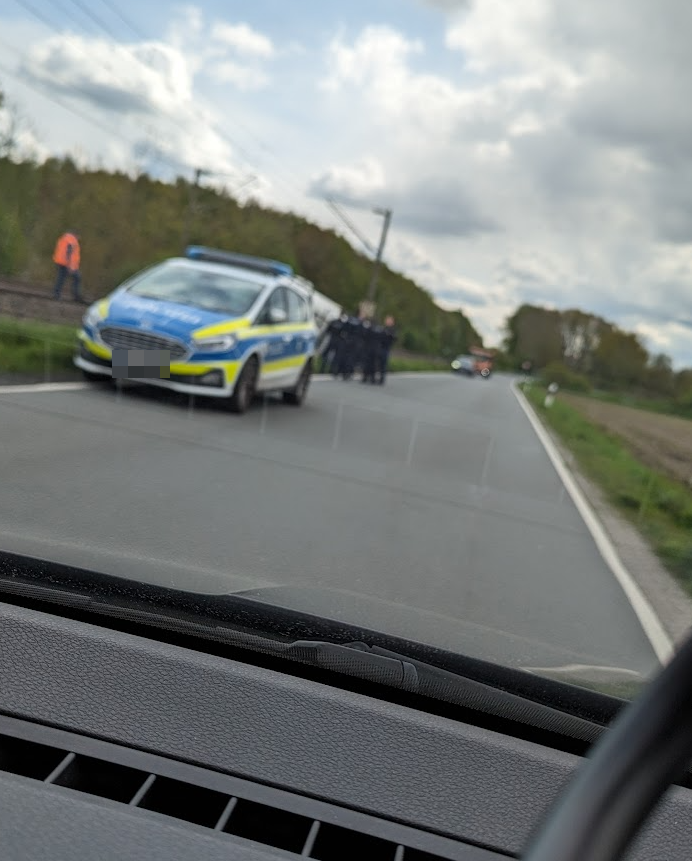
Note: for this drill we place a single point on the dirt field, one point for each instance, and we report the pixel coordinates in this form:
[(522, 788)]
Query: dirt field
[(662, 442)]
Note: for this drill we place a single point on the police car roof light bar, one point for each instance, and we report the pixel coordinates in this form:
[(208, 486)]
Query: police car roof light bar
[(244, 261)]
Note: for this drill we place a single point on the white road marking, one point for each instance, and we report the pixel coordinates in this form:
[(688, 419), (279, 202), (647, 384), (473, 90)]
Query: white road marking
[(42, 387), (263, 421), (337, 426), (653, 628), (486, 463), (412, 442)]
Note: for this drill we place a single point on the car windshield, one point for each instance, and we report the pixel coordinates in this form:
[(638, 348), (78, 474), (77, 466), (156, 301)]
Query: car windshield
[(379, 313), (220, 292)]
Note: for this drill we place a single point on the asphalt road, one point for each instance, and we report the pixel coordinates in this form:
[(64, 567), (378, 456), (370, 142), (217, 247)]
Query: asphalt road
[(432, 493)]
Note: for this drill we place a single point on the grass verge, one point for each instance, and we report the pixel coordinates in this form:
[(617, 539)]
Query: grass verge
[(412, 363), (658, 506), (31, 347)]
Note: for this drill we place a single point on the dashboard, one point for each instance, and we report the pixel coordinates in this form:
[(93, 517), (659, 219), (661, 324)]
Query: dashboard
[(114, 745)]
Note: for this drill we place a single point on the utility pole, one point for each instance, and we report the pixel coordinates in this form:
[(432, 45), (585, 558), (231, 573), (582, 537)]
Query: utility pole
[(387, 213), (191, 204)]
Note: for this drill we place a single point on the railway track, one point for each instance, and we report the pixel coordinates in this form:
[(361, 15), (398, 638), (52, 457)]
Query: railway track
[(22, 301)]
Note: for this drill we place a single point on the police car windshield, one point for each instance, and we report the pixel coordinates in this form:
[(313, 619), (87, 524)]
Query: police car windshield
[(200, 287)]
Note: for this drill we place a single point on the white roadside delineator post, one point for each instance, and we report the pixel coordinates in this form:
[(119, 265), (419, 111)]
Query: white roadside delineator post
[(550, 397)]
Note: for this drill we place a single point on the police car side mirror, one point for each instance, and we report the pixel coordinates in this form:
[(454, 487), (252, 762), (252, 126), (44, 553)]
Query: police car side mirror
[(277, 315)]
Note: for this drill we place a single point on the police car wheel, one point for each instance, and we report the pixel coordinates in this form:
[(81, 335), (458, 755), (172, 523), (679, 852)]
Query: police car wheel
[(297, 396), (244, 390)]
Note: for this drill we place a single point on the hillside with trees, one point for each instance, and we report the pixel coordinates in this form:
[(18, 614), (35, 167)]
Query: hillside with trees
[(128, 223)]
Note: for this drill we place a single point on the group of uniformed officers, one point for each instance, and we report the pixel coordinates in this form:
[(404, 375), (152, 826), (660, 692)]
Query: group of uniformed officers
[(358, 344)]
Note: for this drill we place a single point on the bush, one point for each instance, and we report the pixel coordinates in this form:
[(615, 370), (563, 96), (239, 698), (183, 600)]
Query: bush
[(677, 504), (12, 245), (556, 372), (677, 553)]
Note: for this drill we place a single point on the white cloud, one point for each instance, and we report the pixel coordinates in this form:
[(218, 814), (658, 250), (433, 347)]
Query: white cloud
[(352, 183), (242, 77), (378, 56), (243, 39), (153, 89), (129, 79), (187, 24)]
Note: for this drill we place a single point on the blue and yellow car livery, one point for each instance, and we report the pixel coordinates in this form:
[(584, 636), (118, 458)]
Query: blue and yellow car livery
[(215, 312)]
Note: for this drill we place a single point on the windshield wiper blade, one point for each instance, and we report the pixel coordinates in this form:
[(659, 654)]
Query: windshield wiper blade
[(373, 663), (242, 623)]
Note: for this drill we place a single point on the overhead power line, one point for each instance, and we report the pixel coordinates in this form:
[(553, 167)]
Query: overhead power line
[(93, 17), (81, 114), (284, 178), (126, 21), (36, 13), (347, 221)]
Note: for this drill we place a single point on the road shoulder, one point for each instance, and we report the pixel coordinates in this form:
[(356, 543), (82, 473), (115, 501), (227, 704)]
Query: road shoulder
[(669, 601)]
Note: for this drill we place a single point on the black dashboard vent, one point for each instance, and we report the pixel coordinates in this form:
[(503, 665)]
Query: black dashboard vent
[(28, 759), (225, 804), (341, 844), (278, 828), (96, 777)]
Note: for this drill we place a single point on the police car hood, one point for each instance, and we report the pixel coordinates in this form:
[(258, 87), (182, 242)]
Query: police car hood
[(169, 318)]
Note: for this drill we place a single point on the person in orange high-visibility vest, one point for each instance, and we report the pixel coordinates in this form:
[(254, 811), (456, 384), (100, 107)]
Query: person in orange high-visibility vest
[(67, 260)]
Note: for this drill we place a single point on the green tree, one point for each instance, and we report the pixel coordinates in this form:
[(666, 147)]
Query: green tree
[(620, 360), (534, 334), (581, 335), (659, 378)]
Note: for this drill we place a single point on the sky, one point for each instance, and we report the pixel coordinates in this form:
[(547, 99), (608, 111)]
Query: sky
[(530, 151)]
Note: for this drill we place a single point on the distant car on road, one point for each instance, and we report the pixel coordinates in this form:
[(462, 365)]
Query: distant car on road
[(479, 363), (232, 325), (464, 365)]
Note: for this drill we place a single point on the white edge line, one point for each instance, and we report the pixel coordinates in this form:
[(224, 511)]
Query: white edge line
[(654, 630), (42, 387)]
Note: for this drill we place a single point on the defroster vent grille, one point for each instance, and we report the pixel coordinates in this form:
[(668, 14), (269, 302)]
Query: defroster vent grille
[(225, 804)]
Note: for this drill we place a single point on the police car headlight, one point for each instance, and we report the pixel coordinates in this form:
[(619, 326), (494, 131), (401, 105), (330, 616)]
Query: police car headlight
[(456, 365), (215, 343), (92, 316)]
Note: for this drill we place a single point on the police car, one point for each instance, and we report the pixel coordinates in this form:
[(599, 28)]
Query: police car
[(233, 325)]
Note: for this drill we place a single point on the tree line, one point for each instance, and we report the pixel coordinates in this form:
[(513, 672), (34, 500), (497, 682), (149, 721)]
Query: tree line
[(579, 350), (128, 223)]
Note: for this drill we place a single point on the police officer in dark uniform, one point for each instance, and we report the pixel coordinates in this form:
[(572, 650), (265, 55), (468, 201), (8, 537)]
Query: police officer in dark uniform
[(386, 339), (347, 347), (371, 347), (331, 338), (337, 365)]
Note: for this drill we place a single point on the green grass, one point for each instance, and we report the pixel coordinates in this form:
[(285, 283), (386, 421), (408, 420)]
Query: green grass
[(32, 347), (660, 507), (414, 363)]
